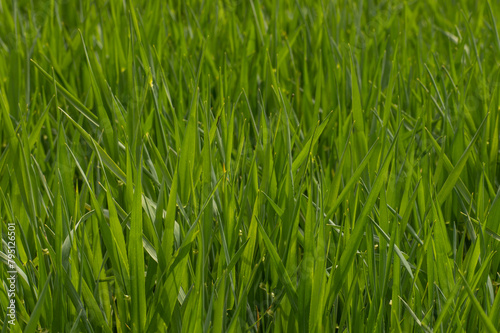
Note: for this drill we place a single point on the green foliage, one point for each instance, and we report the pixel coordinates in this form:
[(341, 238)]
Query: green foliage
[(257, 166)]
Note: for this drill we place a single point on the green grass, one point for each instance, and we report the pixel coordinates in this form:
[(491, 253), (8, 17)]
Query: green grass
[(262, 166)]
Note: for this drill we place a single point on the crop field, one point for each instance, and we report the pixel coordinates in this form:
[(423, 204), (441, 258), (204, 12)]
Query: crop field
[(249, 166)]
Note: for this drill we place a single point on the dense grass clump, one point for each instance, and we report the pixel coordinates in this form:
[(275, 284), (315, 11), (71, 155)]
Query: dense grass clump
[(263, 166)]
